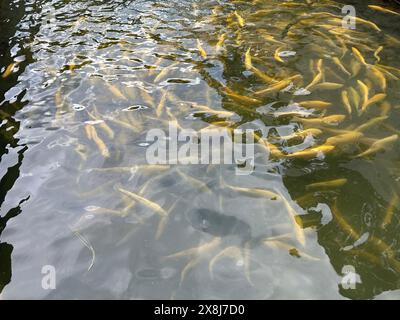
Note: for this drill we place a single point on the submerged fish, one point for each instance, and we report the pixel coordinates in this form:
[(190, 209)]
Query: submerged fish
[(378, 146), (327, 184)]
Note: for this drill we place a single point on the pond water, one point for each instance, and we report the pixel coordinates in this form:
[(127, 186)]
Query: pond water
[(83, 82)]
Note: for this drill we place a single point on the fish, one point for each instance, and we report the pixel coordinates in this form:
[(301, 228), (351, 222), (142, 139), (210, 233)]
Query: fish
[(247, 61), (326, 86), (378, 146), (316, 104), (328, 120), (368, 23), (198, 184), (342, 222), (357, 54), (277, 56), (331, 184), (146, 202), (375, 99), (317, 79), (381, 9), (161, 105), (371, 123), (9, 70), (232, 252), (164, 72), (220, 42), (104, 126), (376, 53), (387, 219), (311, 152), (278, 86), (354, 97), (201, 50), (255, 192), (364, 93), (346, 101), (92, 133), (339, 64), (302, 134), (235, 96), (240, 19), (344, 138), (378, 77), (115, 91)]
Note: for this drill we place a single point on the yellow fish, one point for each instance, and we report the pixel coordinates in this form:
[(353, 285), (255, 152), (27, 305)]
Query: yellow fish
[(381, 9), (375, 99), (390, 210), (344, 138), (326, 86), (328, 120), (201, 50), (235, 96), (371, 123), (247, 60), (240, 20), (346, 101), (357, 54), (278, 86), (311, 152), (315, 104), (220, 42), (378, 146), (9, 70), (327, 184), (146, 202)]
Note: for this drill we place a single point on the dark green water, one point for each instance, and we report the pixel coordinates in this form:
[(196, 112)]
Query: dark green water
[(80, 65)]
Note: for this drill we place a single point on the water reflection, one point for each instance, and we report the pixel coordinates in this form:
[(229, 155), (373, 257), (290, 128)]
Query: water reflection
[(95, 76)]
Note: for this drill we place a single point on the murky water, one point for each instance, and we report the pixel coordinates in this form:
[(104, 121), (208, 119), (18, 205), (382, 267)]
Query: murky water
[(84, 81)]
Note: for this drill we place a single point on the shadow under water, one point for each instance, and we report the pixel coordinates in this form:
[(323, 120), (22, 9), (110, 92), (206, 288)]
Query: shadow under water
[(84, 82)]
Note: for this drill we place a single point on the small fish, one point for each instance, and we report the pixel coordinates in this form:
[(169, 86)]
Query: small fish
[(326, 86), (341, 221), (311, 152), (390, 210), (378, 146), (357, 54), (161, 105), (100, 143), (378, 77), (277, 57), (235, 96), (375, 99), (278, 86), (364, 92), (247, 60), (381, 9), (328, 120), (368, 23), (317, 79), (371, 123), (220, 42), (346, 101), (340, 66), (255, 192), (146, 202), (315, 104), (376, 54), (354, 97), (240, 19), (164, 72), (331, 184), (201, 50), (9, 70), (344, 138)]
